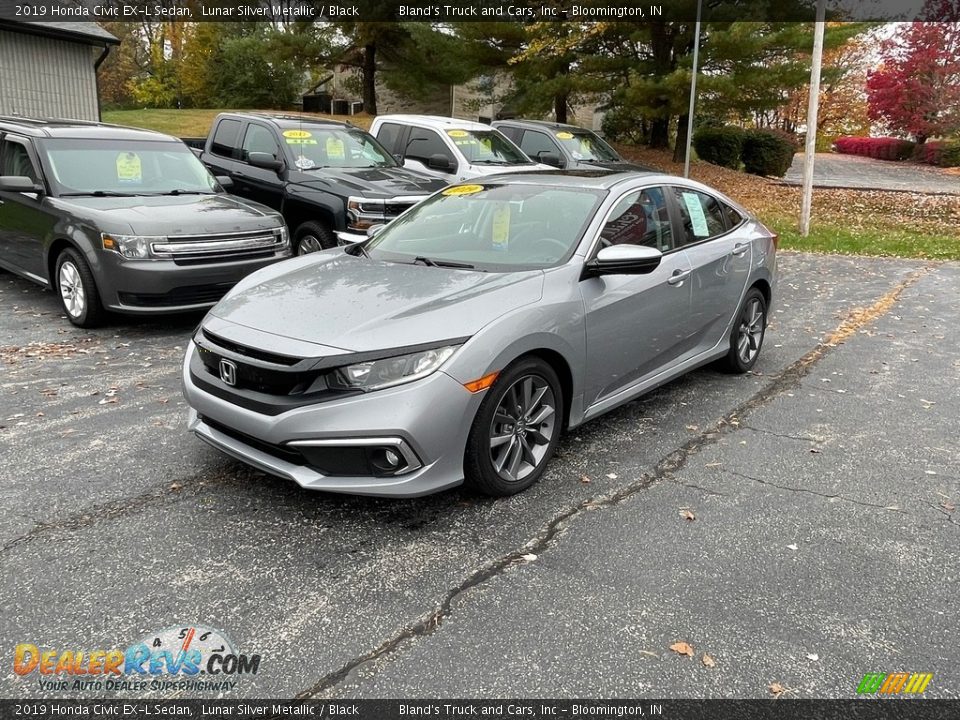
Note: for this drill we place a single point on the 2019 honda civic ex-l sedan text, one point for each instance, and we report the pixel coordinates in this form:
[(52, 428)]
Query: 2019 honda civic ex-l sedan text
[(460, 340)]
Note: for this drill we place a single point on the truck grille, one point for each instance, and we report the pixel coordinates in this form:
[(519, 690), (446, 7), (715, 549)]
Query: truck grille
[(199, 249)]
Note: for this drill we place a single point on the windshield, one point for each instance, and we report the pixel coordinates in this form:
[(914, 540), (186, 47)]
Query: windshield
[(495, 227), (124, 167), (321, 147), (487, 147), (586, 146)]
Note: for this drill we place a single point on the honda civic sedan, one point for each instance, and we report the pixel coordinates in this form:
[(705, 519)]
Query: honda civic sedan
[(459, 341)]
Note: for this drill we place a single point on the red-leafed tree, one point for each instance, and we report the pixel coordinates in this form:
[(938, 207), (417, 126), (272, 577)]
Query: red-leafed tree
[(915, 90)]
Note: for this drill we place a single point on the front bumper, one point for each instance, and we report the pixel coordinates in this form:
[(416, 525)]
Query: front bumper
[(429, 418), (163, 286)]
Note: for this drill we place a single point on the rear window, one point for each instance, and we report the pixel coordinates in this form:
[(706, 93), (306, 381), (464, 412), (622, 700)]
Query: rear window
[(389, 136), (225, 140)]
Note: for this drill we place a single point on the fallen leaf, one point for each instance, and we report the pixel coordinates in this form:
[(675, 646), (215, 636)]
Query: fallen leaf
[(529, 557), (793, 547), (692, 428), (175, 486), (948, 506), (688, 515), (584, 479), (107, 401), (682, 648), (813, 656), (708, 661), (815, 451), (776, 688), (612, 476)]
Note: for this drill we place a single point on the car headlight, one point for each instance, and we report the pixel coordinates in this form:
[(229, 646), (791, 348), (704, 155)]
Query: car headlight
[(284, 236), (378, 374), (364, 212), (130, 246)]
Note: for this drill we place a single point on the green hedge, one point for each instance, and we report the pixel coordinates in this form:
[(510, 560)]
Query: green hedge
[(719, 145), (767, 152)]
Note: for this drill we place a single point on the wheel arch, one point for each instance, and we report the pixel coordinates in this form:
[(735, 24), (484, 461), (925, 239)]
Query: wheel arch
[(561, 367)]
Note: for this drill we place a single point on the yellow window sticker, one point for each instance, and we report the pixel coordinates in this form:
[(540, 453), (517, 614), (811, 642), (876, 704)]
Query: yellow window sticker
[(500, 226), (458, 133), (463, 190), (297, 134), (129, 169), (565, 136), (301, 141), (335, 148)]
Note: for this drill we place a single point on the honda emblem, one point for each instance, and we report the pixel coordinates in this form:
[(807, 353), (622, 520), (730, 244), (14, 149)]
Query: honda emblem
[(228, 372)]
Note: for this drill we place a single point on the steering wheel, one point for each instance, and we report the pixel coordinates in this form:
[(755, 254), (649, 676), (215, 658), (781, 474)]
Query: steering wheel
[(550, 243)]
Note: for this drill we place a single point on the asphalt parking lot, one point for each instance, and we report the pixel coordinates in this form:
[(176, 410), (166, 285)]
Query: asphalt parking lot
[(823, 490)]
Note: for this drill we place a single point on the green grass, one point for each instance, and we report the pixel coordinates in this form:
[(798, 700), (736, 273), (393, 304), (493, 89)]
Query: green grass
[(882, 242), (186, 123)]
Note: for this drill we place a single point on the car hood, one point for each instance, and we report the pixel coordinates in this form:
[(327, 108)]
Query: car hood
[(368, 182), (616, 166), (360, 304), (484, 170), (173, 214)]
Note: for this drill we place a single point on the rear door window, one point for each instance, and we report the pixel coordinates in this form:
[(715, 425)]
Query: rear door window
[(226, 138), (701, 216)]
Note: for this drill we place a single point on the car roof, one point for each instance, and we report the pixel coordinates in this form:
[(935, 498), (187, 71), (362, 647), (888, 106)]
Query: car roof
[(593, 179), (287, 120), (437, 122), (79, 129), (541, 124)]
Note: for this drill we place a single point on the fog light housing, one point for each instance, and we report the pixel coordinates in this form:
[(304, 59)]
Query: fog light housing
[(359, 457)]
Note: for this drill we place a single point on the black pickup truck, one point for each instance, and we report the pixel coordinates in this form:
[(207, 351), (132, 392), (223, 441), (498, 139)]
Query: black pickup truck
[(327, 178)]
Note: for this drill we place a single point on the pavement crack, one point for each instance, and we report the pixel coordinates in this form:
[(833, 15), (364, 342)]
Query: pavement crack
[(807, 491), (665, 469), (784, 436)]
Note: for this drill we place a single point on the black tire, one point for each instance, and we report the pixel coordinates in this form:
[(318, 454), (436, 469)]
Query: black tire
[(523, 437), (72, 276), (311, 237), (750, 328)]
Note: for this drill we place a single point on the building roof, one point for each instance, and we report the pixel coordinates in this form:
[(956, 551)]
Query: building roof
[(77, 31)]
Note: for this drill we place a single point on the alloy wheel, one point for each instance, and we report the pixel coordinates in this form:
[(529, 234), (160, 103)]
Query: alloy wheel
[(750, 333), (308, 244), (71, 290), (523, 426)]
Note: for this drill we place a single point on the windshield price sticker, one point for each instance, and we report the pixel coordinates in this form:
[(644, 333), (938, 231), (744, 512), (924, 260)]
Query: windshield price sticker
[(565, 135), (297, 134), (458, 133), (462, 190), (335, 148), (501, 226), (129, 169), (300, 141)]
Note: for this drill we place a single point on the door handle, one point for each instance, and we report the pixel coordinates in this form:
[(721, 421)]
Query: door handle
[(740, 248), (678, 277)]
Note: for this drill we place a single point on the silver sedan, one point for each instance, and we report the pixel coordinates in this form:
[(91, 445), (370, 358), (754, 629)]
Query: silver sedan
[(459, 341)]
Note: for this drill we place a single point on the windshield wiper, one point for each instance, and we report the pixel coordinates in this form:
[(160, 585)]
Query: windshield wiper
[(178, 191), (420, 260), (492, 162), (99, 193)]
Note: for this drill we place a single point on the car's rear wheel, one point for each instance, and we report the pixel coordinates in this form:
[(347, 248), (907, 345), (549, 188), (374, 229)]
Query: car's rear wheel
[(516, 430), (77, 289), (746, 337), (313, 237)]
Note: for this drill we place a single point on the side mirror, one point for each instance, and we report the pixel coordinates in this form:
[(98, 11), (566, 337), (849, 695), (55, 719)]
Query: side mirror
[(265, 161), (226, 182), (439, 162), (548, 158), (374, 229), (623, 260), (19, 183)]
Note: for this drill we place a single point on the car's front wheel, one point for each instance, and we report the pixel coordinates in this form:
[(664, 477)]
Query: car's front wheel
[(77, 289), (746, 338), (313, 237), (516, 430)]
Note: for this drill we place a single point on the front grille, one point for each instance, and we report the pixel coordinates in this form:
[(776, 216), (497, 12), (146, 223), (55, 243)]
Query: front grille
[(278, 451), (260, 379), (393, 208), (192, 295), (199, 249), (249, 351)]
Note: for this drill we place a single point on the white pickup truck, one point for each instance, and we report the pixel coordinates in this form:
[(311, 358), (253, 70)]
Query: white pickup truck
[(451, 149)]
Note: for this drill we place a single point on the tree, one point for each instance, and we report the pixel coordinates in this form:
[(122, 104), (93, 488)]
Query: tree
[(915, 90)]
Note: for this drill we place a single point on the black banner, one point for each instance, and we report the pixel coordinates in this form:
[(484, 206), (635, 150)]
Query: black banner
[(454, 11), (780, 709)]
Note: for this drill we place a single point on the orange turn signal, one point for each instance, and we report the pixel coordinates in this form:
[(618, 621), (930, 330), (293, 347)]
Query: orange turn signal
[(483, 383)]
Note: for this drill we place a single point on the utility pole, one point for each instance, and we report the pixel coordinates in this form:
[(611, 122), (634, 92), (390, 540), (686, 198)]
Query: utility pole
[(812, 107), (693, 91)]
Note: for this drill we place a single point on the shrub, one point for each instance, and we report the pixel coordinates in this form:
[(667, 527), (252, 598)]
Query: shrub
[(885, 148), (767, 152), (719, 145), (944, 154), (620, 125)]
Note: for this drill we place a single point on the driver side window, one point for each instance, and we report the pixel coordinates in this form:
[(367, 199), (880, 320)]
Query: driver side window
[(16, 161), (639, 218), (259, 139)]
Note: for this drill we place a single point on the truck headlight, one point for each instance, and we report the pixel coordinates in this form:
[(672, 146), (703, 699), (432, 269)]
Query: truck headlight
[(364, 212), (379, 374), (135, 247)]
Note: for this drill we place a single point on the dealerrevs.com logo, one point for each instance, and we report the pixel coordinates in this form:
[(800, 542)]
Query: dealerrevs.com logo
[(193, 658)]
